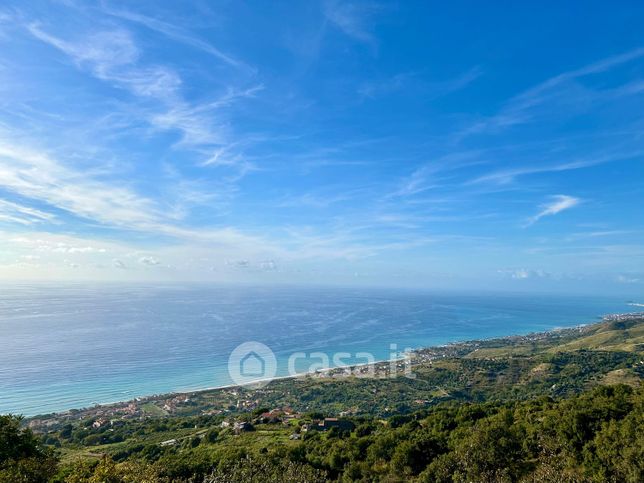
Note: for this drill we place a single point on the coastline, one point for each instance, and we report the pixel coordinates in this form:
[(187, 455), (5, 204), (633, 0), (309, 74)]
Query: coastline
[(140, 351), (135, 408), (255, 384)]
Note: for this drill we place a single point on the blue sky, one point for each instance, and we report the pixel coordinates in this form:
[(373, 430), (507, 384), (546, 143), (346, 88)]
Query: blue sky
[(421, 144)]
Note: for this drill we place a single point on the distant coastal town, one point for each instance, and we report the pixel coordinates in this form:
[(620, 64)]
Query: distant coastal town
[(625, 316)]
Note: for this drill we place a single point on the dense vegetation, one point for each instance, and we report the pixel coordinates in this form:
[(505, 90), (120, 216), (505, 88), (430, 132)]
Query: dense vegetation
[(566, 408), (22, 456), (597, 436)]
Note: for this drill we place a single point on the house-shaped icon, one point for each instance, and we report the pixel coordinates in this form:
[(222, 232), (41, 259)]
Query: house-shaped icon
[(252, 365)]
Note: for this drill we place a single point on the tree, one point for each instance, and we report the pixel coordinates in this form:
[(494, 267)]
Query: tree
[(491, 451), (22, 458)]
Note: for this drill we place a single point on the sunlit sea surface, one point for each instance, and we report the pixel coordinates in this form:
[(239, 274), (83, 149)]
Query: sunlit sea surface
[(74, 346)]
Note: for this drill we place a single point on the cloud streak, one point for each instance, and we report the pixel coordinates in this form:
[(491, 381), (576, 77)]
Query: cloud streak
[(23, 215), (518, 110), (558, 204), (353, 19), (507, 176), (37, 176), (175, 33), (114, 57)]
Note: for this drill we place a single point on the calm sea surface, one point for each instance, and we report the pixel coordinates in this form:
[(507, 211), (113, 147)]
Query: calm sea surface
[(74, 346)]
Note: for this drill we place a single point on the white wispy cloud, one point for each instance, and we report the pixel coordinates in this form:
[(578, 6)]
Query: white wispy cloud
[(411, 82), (40, 244), (149, 261), (524, 273), (103, 51), (558, 204), (223, 157), (374, 88), (196, 124), (507, 176), (600, 234), (252, 266), (627, 279), (114, 57), (427, 176), (519, 109), (37, 176), (24, 215), (174, 32), (353, 19), (417, 182)]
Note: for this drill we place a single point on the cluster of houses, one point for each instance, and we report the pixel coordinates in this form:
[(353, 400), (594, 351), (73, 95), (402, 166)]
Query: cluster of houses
[(172, 404), (102, 415), (286, 416), (624, 317), (238, 426), (229, 400), (329, 423)]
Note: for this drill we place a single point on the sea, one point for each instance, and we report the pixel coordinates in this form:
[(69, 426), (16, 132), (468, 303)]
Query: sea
[(75, 346)]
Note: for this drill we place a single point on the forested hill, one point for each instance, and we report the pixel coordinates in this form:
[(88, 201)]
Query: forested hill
[(560, 406)]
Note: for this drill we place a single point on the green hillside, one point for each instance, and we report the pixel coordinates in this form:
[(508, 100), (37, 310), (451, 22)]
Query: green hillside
[(560, 406)]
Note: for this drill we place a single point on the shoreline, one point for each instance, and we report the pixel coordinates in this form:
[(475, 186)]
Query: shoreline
[(256, 384), (441, 350)]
